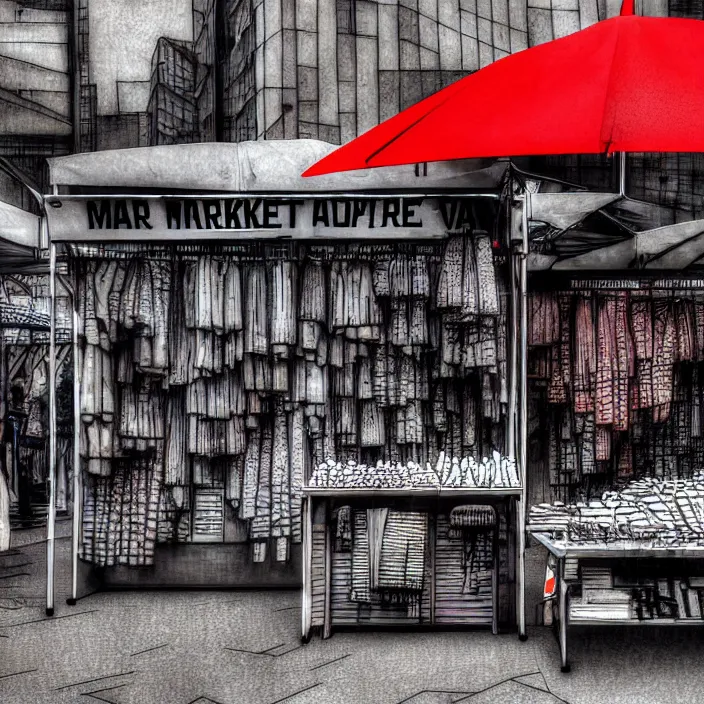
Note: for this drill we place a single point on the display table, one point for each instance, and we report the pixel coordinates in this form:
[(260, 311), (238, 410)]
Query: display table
[(617, 551), (322, 583)]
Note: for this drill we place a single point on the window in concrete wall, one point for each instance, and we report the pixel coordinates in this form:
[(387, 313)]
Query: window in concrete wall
[(686, 8)]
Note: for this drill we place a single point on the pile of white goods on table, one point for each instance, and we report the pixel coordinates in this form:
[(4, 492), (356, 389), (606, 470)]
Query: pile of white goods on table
[(490, 473), (659, 512)]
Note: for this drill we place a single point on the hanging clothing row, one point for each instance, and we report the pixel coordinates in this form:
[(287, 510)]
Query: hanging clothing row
[(621, 373), (241, 368)]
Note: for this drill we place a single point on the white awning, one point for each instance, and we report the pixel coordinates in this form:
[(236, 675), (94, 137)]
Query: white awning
[(18, 226), (272, 166)]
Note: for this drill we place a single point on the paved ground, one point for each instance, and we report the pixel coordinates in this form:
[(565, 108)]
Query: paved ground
[(242, 648)]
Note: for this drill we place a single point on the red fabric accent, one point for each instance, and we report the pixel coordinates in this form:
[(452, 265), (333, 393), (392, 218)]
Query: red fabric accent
[(627, 84), (549, 587)]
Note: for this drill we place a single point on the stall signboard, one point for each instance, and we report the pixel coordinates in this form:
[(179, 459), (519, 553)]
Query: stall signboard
[(162, 218)]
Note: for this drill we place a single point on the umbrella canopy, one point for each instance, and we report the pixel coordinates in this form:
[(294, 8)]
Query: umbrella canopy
[(627, 84)]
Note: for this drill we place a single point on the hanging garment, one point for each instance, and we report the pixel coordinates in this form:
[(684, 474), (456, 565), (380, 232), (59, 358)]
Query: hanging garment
[(624, 363), (360, 589), (588, 445), (471, 304), (585, 357), (543, 319), (699, 324), (136, 311), (282, 305), (141, 420), (158, 362), (86, 303), (114, 299), (371, 425), (261, 523), (686, 339), (233, 319), (98, 447), (603, 443), (104, 278), (312, 306), (376, 527), (451, 283), (380, 275), (250, 482), (299, 446), (97, 385), (470, 524), (488, 303), (402, 563), (256, 339), (605, 365), (280, 477), (120, 515), (643, 339), (181, 371), (343, 530), (665, 349)]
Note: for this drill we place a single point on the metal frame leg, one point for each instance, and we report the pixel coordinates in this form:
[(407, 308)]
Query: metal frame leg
[(520, 572), (563, 597), (51, 517), (307, 558), (77, 479)]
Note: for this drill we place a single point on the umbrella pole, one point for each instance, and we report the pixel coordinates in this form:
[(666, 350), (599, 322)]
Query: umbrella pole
[(513, 355), (622, 174), (51, 518), (523, 428)]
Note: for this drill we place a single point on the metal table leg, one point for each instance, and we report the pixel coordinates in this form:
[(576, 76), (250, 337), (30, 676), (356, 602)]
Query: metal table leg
[(327, 619), (563, 596), (495, 576), (521, 571), (307, 559)]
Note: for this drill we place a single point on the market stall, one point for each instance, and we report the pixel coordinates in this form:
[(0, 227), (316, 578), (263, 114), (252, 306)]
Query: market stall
[(615, 353), (238, 327), (24, 338)]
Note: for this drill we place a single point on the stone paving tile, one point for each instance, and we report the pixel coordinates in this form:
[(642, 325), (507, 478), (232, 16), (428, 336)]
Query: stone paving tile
[(242, 647), (634, 665)]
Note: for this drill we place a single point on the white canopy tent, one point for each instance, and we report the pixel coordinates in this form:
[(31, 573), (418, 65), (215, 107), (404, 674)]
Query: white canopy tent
[(20, 241)]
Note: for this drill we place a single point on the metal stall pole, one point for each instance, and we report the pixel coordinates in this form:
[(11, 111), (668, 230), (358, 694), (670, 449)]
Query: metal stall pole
[(523, 428), (77, 483), (513, 350), (51, 519)]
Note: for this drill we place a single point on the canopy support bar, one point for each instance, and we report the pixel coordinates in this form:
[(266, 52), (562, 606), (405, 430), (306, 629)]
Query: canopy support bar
[(51, 517), (77, 479), (622, 174)]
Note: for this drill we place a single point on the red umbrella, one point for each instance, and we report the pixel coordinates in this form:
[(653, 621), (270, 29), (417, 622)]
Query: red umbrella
[(627, 84)]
